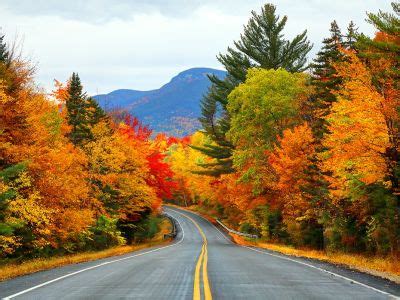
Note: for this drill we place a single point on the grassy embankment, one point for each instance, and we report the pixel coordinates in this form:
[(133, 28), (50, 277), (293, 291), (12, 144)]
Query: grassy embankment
[(386, 267), (14, 269)]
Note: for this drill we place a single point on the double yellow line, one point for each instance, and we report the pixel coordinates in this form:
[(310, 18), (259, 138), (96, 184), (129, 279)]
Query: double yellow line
[(201, 265)]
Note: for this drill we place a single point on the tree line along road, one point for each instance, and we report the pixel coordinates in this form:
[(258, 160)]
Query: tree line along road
[(202, 263)]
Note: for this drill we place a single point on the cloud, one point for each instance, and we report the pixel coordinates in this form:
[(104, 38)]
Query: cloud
[(100, 11), (142, 44)]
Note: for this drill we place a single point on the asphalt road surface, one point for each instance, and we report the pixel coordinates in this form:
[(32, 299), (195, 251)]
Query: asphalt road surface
[(202, 263)]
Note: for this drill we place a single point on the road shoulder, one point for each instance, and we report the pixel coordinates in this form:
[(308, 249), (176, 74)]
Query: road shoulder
[(13, 270)]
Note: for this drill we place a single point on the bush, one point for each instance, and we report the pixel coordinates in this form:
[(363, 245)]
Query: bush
[(246, 227), (304, 233), (105, 234), (146, 228)]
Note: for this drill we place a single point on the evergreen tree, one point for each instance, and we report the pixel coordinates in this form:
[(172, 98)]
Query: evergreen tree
[(8, 175), (95, 112), (351, 36), (75, 104), (324, 76), (3, 58), (83, 112), (324, 79), (263, 45), (387, 46), (4, 54)]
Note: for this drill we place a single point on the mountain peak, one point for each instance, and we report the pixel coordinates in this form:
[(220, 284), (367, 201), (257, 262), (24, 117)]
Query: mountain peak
[(200, 71), (196, 74), (174, 108)]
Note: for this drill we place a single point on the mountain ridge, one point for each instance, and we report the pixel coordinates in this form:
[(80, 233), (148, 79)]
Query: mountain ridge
[(173, 108)]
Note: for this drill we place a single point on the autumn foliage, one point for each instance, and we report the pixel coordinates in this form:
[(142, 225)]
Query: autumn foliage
[(69, 182), (309, 159), (316, 158)]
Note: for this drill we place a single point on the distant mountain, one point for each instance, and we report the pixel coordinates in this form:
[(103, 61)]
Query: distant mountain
[(174, 108)]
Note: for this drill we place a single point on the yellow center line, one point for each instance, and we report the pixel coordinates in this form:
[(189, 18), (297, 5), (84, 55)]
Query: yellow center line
[(207, 289), (196, 285), (201, 264)]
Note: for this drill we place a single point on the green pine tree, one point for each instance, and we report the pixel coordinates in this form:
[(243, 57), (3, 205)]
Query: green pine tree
[(389, 24), (4, 54), (351, 36), (78, 112), (262, 44), (324, 79), (95, 112), (3, 58), (8, 175), (83, 112)]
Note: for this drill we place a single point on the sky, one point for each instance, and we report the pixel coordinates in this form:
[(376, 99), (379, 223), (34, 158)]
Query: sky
[(139, 44)]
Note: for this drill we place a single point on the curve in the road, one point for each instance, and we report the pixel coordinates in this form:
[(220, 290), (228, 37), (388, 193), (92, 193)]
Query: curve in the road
[(202, 256), (352, 281)]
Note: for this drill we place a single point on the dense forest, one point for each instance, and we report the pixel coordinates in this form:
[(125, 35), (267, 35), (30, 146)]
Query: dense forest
[(300, 153), (71, 177)]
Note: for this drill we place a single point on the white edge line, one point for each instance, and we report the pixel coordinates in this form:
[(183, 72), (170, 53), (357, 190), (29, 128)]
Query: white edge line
[(94, 267), (301, 263), (323, 270)]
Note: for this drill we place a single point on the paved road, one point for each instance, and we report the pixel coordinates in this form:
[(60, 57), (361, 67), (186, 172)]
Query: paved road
[(201, 264)]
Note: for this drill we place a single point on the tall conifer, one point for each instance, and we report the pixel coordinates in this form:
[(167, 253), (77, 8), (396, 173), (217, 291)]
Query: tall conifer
[(324, 78), (262, 44), (77, 111), (3, 50), (326, 82)]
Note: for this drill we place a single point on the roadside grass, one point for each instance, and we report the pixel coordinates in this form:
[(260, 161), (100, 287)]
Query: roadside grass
[(15, 269), (385, 267)]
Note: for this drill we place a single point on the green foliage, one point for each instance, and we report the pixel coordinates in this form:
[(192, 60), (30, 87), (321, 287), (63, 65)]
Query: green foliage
[(261, 108), (262, 45), (267, 223), (77, 113), (7, 193), (4, 54), (12, 231), (381, 224), (385, 45), (12, 172), (95, 113), (105, 234), (326, 83), (351, 36), (246, 227), (146, 228), (324, 78), (82, 112), (312, 234), (6, 229)]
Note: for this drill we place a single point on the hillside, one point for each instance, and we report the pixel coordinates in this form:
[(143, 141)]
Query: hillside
[(173, 108)]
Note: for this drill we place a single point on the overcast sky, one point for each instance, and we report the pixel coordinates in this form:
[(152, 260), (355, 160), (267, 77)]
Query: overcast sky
[(140, 44)]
